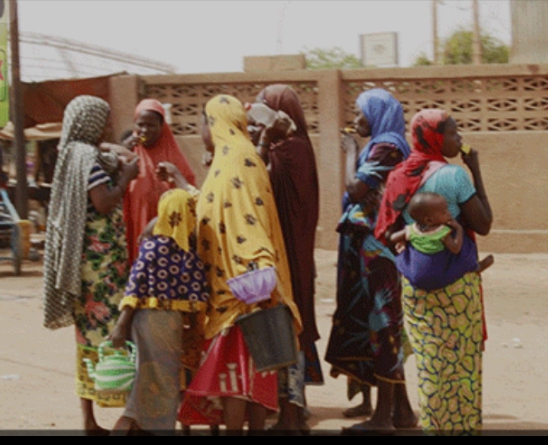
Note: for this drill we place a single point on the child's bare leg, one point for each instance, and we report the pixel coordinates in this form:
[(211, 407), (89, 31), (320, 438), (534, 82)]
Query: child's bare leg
[(90, 424), (487, 262)]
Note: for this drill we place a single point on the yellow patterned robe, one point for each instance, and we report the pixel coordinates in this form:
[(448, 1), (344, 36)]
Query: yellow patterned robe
[(237, 218)]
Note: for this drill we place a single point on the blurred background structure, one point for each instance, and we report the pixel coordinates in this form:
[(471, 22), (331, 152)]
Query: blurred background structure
[(529, 31), (46, 57)]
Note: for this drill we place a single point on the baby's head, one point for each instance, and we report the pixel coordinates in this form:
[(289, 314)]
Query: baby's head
[(429, 209)]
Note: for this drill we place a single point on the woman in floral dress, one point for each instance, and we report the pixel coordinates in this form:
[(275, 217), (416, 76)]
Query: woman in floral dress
[(86, 268)]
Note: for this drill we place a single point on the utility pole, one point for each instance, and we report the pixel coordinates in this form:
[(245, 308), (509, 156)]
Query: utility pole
[(477, 52), (17, 116), (435, 36)]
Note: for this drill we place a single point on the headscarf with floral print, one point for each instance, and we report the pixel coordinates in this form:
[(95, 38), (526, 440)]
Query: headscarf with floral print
[(177, 218), (238, 225)]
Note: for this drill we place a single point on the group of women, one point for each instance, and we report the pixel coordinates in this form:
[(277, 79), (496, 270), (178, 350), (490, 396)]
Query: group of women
[(257, 212)]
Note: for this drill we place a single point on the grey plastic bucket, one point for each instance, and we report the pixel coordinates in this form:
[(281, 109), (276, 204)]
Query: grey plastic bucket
[(270, 338)]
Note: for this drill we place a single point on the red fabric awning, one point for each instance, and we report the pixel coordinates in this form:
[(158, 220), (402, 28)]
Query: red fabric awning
[(45, 102)]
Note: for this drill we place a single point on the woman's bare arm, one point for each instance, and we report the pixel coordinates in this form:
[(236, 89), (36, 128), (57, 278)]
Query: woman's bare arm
[(355, 188), (477, 211), (106, 199)]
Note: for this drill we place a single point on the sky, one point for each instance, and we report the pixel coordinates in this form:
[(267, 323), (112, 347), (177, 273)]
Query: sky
[(209, 36)]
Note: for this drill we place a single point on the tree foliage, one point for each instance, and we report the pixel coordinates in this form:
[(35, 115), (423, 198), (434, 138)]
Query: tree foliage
[(331, 58), (458, 49)]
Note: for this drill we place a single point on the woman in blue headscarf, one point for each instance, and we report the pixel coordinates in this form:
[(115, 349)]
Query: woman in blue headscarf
[(366, 338)]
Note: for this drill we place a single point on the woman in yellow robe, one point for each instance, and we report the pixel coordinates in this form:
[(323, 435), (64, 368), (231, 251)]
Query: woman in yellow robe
[(238, 232)]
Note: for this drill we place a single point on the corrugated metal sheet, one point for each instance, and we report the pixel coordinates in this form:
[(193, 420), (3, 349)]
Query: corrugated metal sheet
[(529, 31)]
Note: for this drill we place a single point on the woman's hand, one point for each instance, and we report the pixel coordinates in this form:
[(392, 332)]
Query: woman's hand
[(471, 160), (120, 150), (132, 141), (122, 330), (120, 334), (129, 170), (279, 130), (168, 172), (348, 144)]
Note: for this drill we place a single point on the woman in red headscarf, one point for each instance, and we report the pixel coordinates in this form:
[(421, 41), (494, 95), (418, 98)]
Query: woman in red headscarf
[(444, 315), (153, 141)]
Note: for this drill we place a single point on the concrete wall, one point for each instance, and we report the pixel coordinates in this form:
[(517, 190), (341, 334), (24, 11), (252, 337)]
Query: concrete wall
[(510, 101)]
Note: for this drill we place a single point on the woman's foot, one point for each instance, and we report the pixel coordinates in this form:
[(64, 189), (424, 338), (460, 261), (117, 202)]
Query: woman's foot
[(407, 422), (96, 431), (124, 427), (403, 416), (363, 410), (369, 428)]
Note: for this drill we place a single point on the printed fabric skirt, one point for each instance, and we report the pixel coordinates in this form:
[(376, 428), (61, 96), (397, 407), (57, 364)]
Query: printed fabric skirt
[(446, 331), (104, 276), (366, 341), (227, 371)]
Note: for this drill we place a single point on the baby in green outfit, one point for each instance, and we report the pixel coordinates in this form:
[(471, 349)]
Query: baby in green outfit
[(434, 230)]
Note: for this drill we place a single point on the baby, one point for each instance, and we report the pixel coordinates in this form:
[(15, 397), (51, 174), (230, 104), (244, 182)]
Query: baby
[(434, 230)]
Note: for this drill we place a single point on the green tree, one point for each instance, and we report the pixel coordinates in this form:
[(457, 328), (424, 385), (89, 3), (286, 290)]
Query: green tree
[(423, 60), (458, 50), (332, 58)]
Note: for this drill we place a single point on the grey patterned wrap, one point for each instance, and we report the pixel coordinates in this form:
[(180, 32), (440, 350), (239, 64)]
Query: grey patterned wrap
[(84, 121)]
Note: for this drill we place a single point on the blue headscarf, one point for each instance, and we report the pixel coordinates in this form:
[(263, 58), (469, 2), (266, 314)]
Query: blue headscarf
[(386, 120), (385, 116)]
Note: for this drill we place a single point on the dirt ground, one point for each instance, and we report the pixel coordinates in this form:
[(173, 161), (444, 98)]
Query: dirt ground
[(36, 365)]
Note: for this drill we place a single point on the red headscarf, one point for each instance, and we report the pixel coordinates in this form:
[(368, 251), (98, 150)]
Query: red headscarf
[(408, 176), (144, 192)]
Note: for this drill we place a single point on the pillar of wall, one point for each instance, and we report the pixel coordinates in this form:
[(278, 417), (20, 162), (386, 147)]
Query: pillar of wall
[(329, 157), (124, 97)]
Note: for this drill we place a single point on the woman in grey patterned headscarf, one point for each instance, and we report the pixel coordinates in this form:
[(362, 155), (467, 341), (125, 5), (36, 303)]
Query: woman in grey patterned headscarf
[(85, 264)]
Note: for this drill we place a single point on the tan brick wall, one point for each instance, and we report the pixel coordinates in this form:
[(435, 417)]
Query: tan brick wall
[(502, 110)]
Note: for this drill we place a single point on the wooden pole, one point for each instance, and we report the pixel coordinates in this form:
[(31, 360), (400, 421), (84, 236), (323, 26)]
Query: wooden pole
[(435, 36), (17, 116), (477, 53)]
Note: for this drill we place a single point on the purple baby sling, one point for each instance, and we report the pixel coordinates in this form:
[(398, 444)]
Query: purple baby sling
[(436, 271)]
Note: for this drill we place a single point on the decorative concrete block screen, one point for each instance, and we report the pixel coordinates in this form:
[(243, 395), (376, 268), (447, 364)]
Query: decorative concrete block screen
[(499, 109), (188, 101), (480, 99)]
